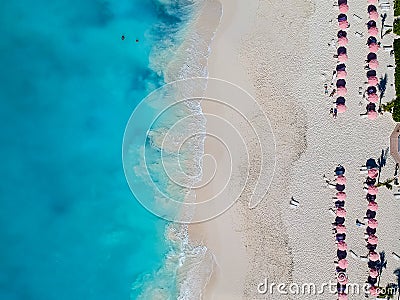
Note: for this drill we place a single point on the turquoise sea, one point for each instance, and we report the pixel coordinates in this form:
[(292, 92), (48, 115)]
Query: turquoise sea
[(69, 225)]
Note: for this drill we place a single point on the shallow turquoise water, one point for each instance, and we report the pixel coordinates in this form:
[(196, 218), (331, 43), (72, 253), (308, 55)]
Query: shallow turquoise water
[(69, 225)]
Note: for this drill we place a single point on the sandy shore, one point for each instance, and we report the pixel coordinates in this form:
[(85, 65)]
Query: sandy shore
[(280, 55)]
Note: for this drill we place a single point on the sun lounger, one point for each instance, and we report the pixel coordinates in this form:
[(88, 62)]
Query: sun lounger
[(357, 18), (294, 203), (332, 211), (385, 6), (364, 258), (359, 34), (396, 256), (387, 48), (354, 255), (363, 170)]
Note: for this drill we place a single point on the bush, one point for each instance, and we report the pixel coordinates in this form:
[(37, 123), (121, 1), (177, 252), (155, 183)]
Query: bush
[(397, 7), (396, 48), (395, 104), (396, 110), (396, 26)]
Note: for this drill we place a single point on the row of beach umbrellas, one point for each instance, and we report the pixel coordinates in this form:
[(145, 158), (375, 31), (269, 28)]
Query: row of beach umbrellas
[(341, 73), (340, 231), (371, 238), (372, 61)]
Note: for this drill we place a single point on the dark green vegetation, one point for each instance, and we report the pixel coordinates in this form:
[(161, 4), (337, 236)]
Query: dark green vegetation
[(394, 105), (397, 7)]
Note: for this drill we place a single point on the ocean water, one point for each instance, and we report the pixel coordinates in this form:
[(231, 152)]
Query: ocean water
[(69, 225)]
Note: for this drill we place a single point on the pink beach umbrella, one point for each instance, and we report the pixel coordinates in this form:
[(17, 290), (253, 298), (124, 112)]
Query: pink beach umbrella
[(373, 206), (341, 229), (373, 239), (373, 47), (341, 91), (343, 263), (373, 173), (372, 1), (343, 297), (341, 74), (373, 190), (373, 273), (372, 115), (373, 98), (341, 212), (373, 80), (341, 195), (342, 57), (373, 64), (373, 15), (373, 291), (341, 179), (372, 223), (342, 246), (373, 31), (342, 41), (373, 256), (341, 108), (343, 24), (343, 8)]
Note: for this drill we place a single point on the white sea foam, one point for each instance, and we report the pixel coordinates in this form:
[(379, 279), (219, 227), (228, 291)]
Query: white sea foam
[(183, 54)]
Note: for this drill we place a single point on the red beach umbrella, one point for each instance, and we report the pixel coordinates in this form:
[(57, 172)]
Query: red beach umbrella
[(373, 273), (343, 24), (373, 98), (373, 47), (341, 91), (373, 190), (343, 297), (373, 173), (341, 179), (373, 31), (372, 115), (373, 80), (373, 239), (341, 195), (341, 212), (372, 223), (373, 256), (342, 57), (342, 41), (343, 263), (373, 64), (373, 291), (373, 15), (341, 229), (341, 108), (343, 8), (341, 74), (373, 206), (342, 246)]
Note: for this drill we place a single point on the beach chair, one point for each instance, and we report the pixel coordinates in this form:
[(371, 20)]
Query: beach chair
[(294, 203), (364, 258), (363, 170), (359, 34), (396, 256), (357, 18), (388, 48), (354, 255)]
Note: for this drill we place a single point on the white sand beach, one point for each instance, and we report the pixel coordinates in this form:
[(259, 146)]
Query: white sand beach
[(279, 53)]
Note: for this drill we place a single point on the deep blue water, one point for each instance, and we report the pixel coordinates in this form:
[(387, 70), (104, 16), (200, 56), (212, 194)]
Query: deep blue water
[(69, 225)]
